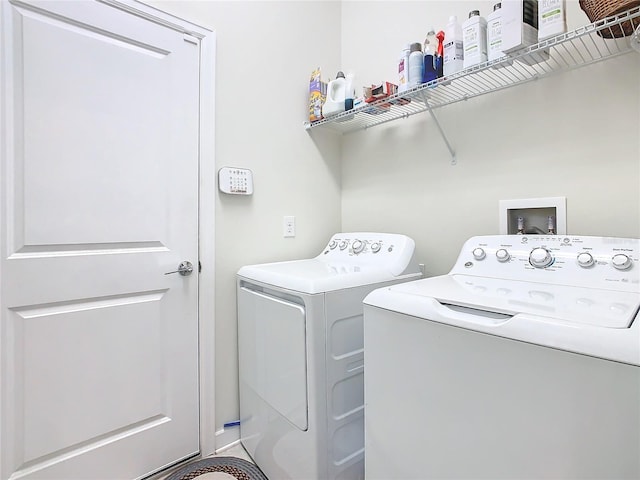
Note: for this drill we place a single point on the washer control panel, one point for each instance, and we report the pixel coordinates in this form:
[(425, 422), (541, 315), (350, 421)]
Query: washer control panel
[(598, 262), (386, 250)]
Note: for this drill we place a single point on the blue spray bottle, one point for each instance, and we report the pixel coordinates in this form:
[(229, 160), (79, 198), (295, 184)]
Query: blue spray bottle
[(430, 73)]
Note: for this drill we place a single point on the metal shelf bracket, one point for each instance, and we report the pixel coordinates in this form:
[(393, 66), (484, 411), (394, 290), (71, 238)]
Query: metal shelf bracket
[(442, 134)]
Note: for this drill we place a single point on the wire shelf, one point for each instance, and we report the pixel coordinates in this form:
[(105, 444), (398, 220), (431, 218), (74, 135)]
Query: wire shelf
[(564, 52)]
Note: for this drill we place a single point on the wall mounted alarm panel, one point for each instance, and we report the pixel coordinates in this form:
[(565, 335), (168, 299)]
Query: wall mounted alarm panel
[(235, 181)]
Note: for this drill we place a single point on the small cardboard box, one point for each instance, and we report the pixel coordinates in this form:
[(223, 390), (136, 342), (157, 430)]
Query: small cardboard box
[(317, 96)]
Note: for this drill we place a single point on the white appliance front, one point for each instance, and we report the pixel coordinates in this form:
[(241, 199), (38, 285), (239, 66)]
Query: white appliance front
[(301, 367), (522, 362)]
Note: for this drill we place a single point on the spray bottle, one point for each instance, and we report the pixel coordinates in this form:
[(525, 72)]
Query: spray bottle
[(440, 55), (430, 73)]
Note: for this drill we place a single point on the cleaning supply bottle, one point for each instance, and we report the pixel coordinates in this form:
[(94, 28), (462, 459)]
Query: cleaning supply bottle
[(474, 39), (430, 73), (416, 65), (403, 69), (453, 52), (440, 55), (552, 18), (494, 33), (349, 97), (336, 94)]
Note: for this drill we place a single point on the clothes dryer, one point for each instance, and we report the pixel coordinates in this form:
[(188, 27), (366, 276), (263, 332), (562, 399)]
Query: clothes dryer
[(522, 362), (301, 358)]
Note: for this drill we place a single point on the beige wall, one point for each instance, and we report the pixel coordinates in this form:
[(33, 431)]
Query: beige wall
[(574, 135), (265, 54)]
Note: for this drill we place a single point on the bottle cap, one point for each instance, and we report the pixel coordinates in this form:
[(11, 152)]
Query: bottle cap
[(474, 13), (416, 47), (497, 6), (453, 19), (340, 75)]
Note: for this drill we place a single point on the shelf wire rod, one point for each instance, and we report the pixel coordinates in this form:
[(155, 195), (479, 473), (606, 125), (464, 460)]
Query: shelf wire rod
[(490, 78), (561, 51), (509, 74), (519, 72), (505, 74), (580, 41), (446, 94), (449, 91), (468, 87), (542, 68), (485, 80), (516, 73), (457, 91), (555, 65), (590, 54), (462, 87), (497, 76)]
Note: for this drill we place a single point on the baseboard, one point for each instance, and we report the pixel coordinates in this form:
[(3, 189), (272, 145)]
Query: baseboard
[(227, 438)]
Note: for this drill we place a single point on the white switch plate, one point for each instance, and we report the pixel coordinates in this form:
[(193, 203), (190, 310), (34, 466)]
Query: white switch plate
[(289, 226), (235, 181)]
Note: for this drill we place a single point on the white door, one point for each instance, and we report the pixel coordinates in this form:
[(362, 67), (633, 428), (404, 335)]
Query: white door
[(99, 198)]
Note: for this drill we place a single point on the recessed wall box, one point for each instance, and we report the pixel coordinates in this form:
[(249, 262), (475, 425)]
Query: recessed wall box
[(536, 213)]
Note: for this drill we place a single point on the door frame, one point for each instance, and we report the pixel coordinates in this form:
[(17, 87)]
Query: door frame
[(206, 198)]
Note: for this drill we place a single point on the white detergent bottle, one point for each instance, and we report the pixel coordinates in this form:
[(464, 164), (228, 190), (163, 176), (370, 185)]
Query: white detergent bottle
[(416, 65), (494, 33), (336, 94), (474, 39), (403, 69), (453, 52), (552, 18)]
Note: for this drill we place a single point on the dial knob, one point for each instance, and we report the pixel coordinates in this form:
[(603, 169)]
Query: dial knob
[(333, 244), (343, 244), (358, 246), (502, 255), (375, 247), (585, 259), (620, 261), (478, 253), (540, 257)]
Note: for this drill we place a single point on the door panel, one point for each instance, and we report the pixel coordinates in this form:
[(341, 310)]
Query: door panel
[(98, 348), (273, 361)]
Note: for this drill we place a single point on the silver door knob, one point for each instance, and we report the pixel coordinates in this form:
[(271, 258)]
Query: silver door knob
[(185, 268)]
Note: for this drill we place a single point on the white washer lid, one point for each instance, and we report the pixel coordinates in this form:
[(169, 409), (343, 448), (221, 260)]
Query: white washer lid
[(315, 276), (550, 316), (579, 305)]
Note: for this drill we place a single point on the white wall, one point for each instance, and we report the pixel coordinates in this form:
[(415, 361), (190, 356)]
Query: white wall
[(574, 135), (265, 54)]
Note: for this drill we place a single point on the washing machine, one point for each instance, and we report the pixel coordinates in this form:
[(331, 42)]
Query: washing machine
[(301, 362), (522, 363)]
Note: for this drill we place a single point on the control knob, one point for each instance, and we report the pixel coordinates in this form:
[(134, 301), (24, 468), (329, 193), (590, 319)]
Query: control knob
[(585, 259), (478, 253), (375, 247), (540, 257), (333, 244), (502, 255), (343, 244), (358, 246), (620, 261)]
